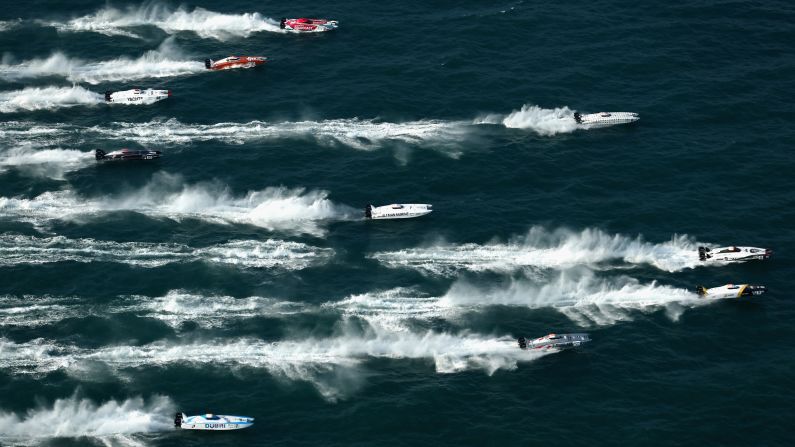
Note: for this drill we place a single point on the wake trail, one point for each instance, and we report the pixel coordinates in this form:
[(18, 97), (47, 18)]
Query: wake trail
[(75, 417), (311, 359), (204, 23), (276, 208), (47, 98), (53, 163), (269, 254), (164, 62), (174, 308), (544, 249)]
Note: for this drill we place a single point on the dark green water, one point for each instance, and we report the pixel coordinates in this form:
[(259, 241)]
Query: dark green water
[(236, 274)]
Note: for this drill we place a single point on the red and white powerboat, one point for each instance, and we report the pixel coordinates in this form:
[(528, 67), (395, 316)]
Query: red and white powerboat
[(304, 25), (235, 62)]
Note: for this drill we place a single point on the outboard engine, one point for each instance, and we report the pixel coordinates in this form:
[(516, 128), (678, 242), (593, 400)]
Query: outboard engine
[(702, 253), (281, 23), (368, 212), (99, 154), (107, 95), (208, 63), (578, 117), (522, 343), (178, 420)]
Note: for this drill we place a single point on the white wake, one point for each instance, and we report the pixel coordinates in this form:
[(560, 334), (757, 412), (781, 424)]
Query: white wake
[(74, 417), (47, 98), (309, 359), (164, 62), (53, 163), (544, 249), (276, 208), (206, 24)]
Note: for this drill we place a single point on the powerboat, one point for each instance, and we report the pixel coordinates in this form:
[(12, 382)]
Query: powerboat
[(212, 422), (733, 254), (136, 96), (555, 341), (605, 119), (304, 25), (235, 62), (127, 154), (731, 291), (397, 211)]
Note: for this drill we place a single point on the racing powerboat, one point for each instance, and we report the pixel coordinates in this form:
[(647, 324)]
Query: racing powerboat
[(731, 291), (235, 62), (733, 254), (304, 25), (127, 154), (212, 422), (136, 96), (555, 341), (605, 119), (397, 211)]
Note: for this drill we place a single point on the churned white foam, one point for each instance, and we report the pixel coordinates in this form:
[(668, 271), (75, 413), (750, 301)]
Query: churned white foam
[(582, 297), (7, 25), (391, 308), (47, 98), (310, 359), (53, 163), (545, 122), (179, 306), (166, 61), (175, 308), (292, 210), (204, 23), (34, 311), (544, 249), (78, 417), (272, 253), (354, 133)]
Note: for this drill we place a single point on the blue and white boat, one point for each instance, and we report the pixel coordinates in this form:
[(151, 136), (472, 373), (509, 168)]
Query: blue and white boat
[(211, 421)]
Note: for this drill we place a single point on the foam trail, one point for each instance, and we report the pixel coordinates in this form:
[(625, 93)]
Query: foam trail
[(175, 308), (75, 417), (271, 253), (545, 122), (164, 62), (446, 137), (277, 208), (7, 25), (306, 359), (206, 24), (53, 163), (582, 297), (544, 249), (179, 306), (391, 308), (47, 98)]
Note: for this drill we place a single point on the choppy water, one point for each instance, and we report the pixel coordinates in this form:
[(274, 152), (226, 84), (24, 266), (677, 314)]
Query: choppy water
[(236, 274)]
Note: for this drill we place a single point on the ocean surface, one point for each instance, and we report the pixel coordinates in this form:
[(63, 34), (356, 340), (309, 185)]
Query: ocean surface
[(236, 275)]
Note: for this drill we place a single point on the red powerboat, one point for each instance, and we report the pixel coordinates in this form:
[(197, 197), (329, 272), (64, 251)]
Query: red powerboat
[(304, 25), (235, 62)]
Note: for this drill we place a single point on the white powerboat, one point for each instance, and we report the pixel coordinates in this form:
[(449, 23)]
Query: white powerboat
[(212, 422), (397, 211), (136, 96), (731, 291), (733, 254), (605, 119), (554, 341)]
